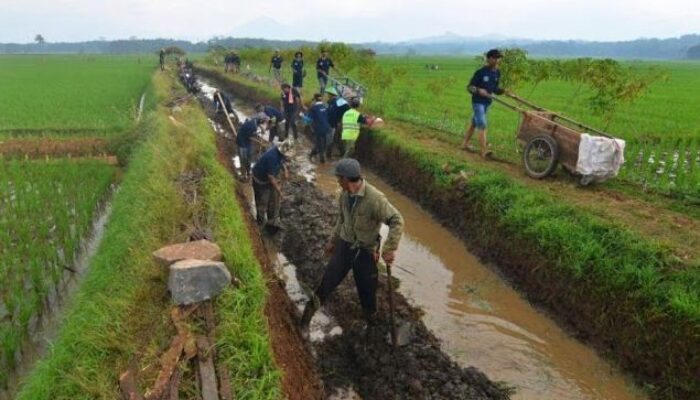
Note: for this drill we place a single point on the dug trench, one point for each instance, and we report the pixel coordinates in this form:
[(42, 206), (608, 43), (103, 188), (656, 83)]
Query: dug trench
[(353, 364), (657, 354)]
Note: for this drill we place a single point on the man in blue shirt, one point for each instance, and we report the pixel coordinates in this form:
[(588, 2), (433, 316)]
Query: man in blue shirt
[(323, 68), (244, 140), (276, 64), (484, 83), (220, 107), (276, 118), (336, 108), (319, 117), (267, 188), (298, 72)]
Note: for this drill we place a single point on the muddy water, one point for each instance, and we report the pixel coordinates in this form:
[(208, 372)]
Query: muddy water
[(484, 323), (481, 321)]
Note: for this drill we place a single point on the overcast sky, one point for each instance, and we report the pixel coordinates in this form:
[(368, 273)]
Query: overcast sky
[(350, 21)]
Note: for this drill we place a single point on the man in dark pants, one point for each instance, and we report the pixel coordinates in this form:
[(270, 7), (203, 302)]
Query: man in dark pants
[(290, 102), (220, 107), (298, 70), (323, 69), (319, 115), (267, 188), (337, 106), (162, 59), (244, 141), (276, 64), (354, 244)]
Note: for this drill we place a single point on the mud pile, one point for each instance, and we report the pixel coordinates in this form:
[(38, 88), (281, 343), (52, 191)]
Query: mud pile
[(419, 370)]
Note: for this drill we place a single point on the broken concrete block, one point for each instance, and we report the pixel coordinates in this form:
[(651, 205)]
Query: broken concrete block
[(192, 281), (198, 250)]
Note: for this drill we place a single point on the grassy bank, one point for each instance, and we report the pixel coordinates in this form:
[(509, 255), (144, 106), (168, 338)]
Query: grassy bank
[(622, 290), (120, 314)]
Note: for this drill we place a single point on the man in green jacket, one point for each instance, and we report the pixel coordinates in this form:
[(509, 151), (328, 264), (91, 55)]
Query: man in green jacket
[(355, 241)]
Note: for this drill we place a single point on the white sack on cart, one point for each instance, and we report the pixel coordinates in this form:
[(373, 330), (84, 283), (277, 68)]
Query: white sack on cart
[(599, 158)]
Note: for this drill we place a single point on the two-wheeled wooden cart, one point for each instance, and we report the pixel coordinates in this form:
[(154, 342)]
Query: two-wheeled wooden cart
[(547, 138)]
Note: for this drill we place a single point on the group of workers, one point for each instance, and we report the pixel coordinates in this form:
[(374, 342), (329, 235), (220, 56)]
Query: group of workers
[(324, 64), (356, 242)]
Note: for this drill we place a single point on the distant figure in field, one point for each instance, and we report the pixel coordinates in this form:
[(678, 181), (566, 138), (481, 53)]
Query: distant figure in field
[(236, 62), (323, 68), (228, 62), (298, 72), (276, 65), (484, 84), (162, 59)]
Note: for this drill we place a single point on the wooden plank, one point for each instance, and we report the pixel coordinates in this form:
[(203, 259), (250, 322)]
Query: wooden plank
[(207, 372), (174, 388), (169, 362), (127, 386)]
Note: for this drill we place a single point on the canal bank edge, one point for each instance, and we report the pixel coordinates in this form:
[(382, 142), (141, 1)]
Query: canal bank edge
[(618, 290), (120, 315)]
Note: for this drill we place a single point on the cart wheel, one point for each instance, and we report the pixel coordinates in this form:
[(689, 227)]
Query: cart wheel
[(540, 156)]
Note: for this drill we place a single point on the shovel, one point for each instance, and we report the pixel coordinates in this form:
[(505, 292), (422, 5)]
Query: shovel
[(400, 333)]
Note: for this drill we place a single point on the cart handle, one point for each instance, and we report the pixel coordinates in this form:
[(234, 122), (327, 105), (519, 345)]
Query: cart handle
[(555, 115)]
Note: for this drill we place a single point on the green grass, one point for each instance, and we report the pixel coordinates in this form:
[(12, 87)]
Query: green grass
[(71, 94), (122, 310), (46, 212), (662, 122)]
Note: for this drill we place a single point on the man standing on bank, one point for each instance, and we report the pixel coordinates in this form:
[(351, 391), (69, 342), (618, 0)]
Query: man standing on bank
[(323, 69), (276, 65), (484, 83), (355, 241), (298, 71)]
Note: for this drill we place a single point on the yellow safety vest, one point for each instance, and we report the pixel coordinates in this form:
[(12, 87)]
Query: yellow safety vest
[(351, 128)]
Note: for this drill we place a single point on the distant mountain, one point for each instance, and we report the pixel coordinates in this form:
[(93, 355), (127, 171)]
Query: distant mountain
[(446, 44), (452, 44), (451, 37)]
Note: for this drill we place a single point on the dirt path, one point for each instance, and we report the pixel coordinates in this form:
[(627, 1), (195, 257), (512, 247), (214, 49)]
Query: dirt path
[(655, 219)]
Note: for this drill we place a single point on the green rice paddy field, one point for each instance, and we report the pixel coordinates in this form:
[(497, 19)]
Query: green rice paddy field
[(662, 127), (58, 95)]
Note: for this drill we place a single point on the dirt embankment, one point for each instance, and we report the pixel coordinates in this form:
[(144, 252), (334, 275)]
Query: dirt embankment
[(46, 147), (419, 370)]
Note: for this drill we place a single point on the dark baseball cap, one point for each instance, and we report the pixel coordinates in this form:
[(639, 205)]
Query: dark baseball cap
[(494, 53)]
